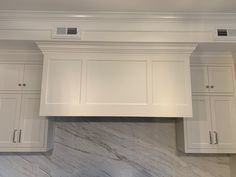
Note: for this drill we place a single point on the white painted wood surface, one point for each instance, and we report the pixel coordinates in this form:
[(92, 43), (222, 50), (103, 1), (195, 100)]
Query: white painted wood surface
[(33, 127), (11, 75), (9, 118), (22, 130), (223, 122), (96, 79), (213, 79), (222, 79), (212, 128), (198, 128), (32, 77)]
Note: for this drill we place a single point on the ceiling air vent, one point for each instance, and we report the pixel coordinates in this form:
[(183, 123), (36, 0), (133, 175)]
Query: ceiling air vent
[(222, 32), (66, 33), (226, 34)]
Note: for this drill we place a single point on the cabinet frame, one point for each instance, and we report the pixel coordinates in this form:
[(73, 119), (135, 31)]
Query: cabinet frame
[(47, 143), (182, 125)]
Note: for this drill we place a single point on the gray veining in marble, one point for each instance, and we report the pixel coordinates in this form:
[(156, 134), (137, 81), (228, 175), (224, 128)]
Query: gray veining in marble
[(105, 147)]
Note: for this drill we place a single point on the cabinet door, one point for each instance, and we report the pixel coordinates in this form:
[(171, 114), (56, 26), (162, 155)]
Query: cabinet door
[(9, 119), (199, 79), (11, 75), (224, 121), (221, 79), (198, 128), (32, 77), (32, 126)]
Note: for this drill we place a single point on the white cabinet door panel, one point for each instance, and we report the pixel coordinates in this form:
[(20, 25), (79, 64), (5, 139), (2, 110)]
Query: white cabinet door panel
[(32, 77), (199, 127), (63, 80), (32, 126), (224, 121), (10, 76), (116, 82), (9, 118), (199, 79), (222, 79), (171, 85)]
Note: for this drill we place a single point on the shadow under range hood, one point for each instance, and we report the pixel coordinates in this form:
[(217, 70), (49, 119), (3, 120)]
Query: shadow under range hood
[(116, 79)]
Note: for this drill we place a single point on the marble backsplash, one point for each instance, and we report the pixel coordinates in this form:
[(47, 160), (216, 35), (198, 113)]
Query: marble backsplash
[(113, 147)]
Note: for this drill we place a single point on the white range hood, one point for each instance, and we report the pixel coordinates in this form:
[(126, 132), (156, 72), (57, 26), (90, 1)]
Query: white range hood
[(116, 79)]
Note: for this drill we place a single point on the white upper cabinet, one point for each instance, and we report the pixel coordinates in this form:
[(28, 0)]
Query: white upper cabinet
[(221, 79), (199, 79), (32, 77), (213, 79), (116, 80), (212, 129), (18, 77), (11, 77)]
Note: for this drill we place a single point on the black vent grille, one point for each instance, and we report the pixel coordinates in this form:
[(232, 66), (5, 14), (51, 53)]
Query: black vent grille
[(222, 32)]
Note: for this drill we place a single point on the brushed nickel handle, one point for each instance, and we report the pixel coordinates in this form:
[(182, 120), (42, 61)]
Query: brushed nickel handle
[(216, 137), (20, 136), (14, 136), (210, 136)]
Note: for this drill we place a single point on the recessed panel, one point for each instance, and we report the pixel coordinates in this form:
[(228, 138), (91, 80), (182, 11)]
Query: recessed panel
[(116, 82), (169, 83), (63, 82)]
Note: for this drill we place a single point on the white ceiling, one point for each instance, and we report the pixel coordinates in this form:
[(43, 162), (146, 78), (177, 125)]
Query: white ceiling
[(158, 6)]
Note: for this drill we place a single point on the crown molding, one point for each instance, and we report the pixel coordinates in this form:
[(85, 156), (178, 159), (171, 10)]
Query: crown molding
[(116, 47), (93, 15)]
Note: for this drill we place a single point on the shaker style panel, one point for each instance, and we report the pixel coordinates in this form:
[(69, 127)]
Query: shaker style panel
[(116, 82), (221, 79), (199, 79), (11, 77), (224, 121), (9, 119), (198, 129), (62, 82), (212, 79), (170, 80), (32, 77), (32, 130)]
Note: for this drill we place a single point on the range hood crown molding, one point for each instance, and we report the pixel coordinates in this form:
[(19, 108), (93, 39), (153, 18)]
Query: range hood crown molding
[(124, 47)]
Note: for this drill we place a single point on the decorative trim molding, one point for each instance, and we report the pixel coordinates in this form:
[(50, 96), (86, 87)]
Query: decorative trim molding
[(212, 58), (21, 56), (123, 47), (137, 16)]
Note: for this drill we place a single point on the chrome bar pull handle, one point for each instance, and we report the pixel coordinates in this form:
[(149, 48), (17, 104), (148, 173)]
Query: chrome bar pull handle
[(216, 137), (20, 136), (210, 136), (14, 136)]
